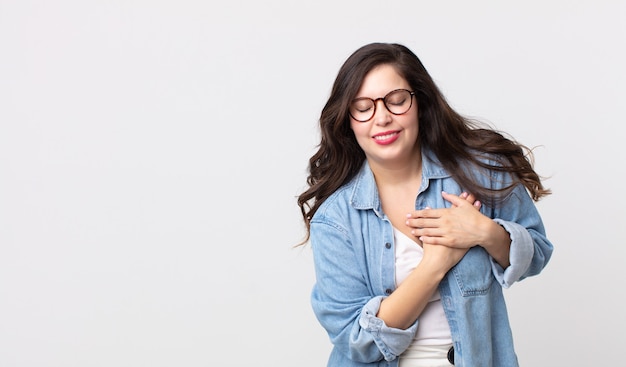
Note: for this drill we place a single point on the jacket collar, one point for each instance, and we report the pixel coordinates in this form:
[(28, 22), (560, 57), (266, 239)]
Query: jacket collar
[(365, 193)]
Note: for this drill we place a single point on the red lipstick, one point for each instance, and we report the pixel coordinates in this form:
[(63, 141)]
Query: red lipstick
[(386, 137)]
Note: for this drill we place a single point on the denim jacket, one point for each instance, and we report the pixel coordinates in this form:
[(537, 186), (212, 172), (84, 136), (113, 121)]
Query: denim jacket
[(353, 251)]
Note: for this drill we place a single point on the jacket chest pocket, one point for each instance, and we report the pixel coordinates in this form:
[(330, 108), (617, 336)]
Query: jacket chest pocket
[(473, 273)]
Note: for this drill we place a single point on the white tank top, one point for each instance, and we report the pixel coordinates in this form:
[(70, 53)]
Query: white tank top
[(432, 328)]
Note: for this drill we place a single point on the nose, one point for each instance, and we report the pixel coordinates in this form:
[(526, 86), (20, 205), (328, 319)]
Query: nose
[(382, 116)]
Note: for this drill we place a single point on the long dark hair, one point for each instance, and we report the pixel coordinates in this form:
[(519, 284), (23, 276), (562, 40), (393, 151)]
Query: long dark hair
[(455, 140)]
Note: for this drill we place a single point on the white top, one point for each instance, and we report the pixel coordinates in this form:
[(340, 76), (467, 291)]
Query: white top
[(432, 327)]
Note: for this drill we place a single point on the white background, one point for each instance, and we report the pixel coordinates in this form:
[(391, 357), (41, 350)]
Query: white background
[(151, 153)]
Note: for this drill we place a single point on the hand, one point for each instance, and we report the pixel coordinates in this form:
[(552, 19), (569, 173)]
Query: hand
[(460, 226), (440, 259), (470, 199)]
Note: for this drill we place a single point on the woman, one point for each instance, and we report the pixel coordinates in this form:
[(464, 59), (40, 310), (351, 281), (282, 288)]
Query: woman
[(417, 217)]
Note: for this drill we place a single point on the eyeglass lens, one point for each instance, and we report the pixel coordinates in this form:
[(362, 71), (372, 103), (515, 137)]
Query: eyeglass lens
[(397, 102)]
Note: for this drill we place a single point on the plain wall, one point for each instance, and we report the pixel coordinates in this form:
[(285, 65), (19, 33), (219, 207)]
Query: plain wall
[(151, 153)]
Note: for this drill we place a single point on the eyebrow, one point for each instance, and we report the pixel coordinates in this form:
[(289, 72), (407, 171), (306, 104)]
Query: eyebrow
[(383, 96)]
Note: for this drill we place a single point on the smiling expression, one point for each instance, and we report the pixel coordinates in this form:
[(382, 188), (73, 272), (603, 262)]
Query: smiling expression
[(386, 138)]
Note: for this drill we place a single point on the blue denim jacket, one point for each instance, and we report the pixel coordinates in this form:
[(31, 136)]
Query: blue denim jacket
[(353, 251)]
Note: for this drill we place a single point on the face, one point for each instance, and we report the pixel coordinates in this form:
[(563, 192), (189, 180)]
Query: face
[(387, 139)]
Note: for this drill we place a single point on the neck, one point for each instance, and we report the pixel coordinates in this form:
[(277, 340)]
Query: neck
[(406, 173)]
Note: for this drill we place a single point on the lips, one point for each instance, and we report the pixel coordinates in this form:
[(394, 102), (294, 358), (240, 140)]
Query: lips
[(386, 137)]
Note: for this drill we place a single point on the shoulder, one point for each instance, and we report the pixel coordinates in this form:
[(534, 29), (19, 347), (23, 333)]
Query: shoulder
[(336, 206), (359, 193), (332, 220)]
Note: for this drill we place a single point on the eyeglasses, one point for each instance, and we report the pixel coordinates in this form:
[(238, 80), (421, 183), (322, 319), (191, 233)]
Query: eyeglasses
[(397, 101)]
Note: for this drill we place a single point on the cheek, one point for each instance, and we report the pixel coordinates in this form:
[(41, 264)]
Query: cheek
[(361, 134), (411, 121), (357, 128)]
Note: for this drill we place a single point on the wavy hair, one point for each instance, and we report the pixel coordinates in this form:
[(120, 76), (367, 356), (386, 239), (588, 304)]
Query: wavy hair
[(456, 141)]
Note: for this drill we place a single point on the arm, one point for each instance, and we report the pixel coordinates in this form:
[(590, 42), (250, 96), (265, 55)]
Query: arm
[(530, 248), (461, 226), (343, 299), (514, 237), (408, 301), (402, 308), (480, 228)]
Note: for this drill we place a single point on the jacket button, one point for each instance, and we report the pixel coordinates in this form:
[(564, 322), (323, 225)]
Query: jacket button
[(388, 291), (388, 245)]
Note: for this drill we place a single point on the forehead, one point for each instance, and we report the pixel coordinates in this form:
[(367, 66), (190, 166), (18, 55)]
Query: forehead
[(380, 81)]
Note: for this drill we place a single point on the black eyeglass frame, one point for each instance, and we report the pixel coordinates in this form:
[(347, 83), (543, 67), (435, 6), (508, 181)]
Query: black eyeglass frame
[(375, 102)]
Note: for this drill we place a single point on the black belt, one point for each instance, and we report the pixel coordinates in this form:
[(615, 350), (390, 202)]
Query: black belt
[(451, 355)]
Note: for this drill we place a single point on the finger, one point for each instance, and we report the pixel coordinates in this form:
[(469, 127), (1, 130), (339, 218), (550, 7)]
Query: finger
[(427, 212), (428, 232), (455, 200), (422, 215), (470, 198), (422, 223), (435, 240)]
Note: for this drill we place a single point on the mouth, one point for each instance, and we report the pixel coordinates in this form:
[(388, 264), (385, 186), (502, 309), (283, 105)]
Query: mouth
[(386, 135), (386, 138)]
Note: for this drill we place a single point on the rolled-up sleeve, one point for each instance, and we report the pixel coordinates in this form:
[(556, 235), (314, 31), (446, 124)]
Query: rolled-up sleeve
[(530, 249), (520, 254), (390, 341), (343, 300)]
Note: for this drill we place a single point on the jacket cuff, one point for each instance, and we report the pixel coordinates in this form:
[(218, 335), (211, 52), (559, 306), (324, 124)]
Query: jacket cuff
[(520, 254), (390, 341)]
